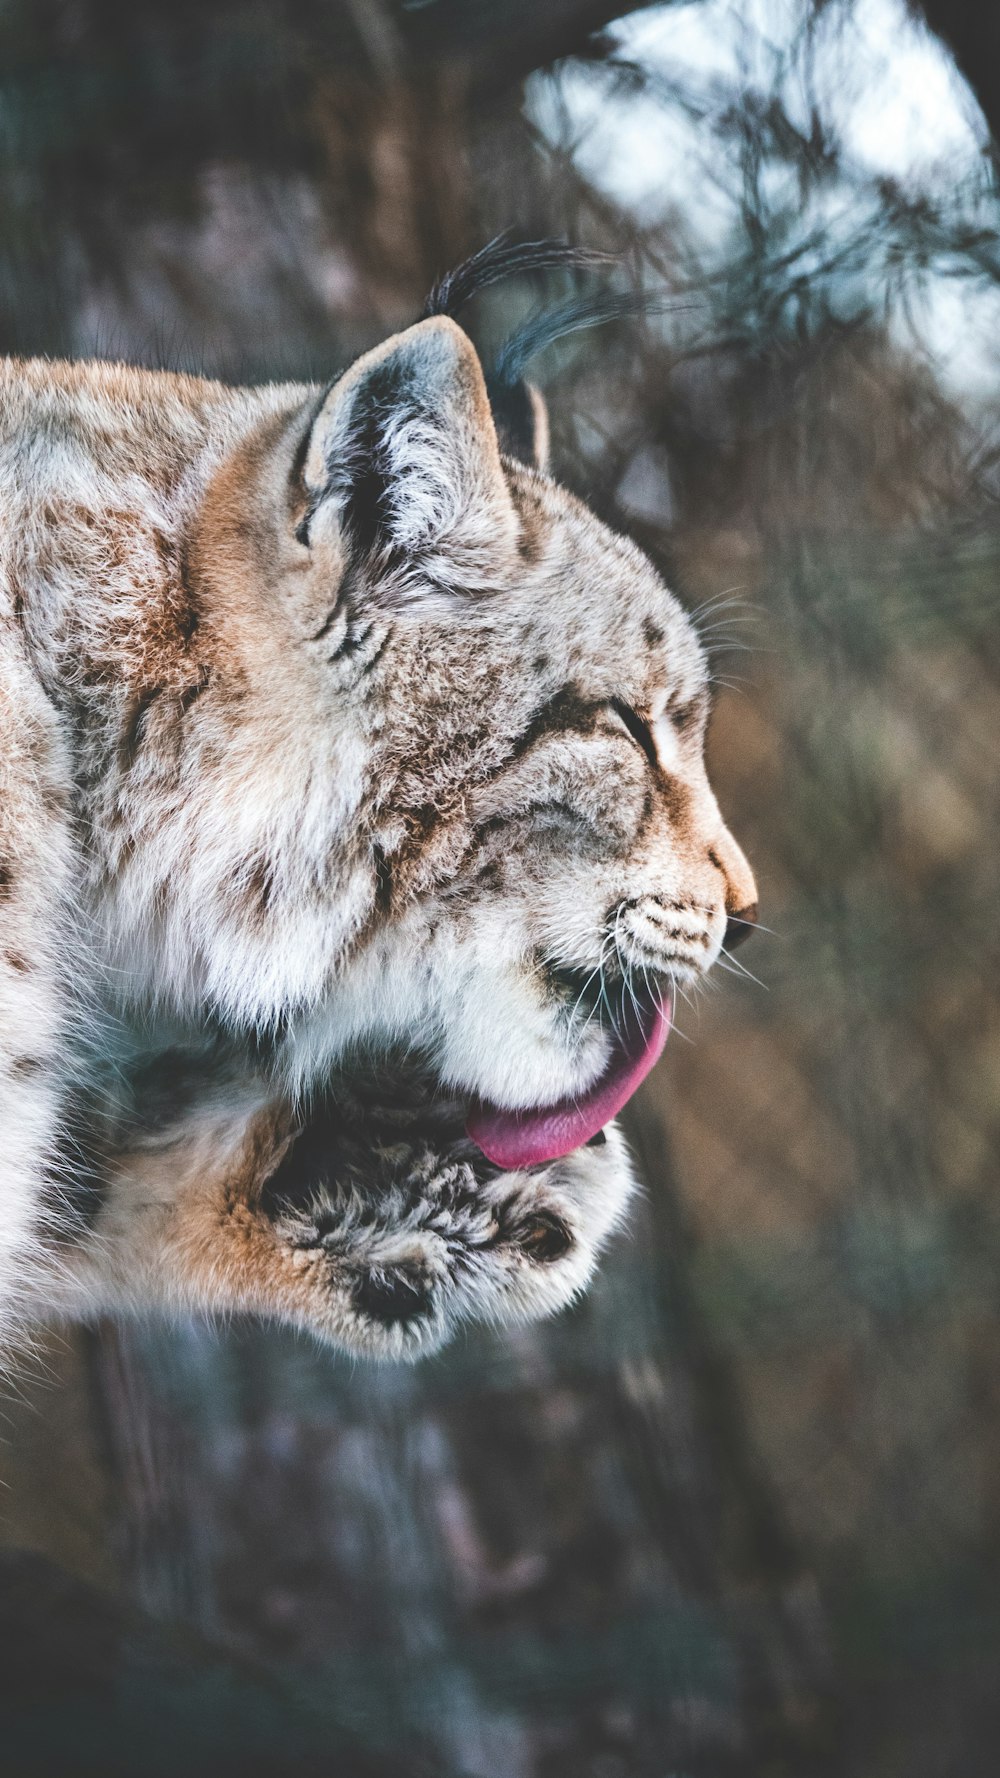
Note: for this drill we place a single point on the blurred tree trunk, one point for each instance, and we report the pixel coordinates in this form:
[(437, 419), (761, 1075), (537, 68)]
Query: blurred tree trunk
[(530, 1508)]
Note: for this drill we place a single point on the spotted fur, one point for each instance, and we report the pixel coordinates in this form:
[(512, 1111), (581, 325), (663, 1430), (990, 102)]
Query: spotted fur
[(327, 733)]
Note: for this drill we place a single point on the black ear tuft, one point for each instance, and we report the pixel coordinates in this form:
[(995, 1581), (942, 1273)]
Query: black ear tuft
[(518, 409), (503, 258), (545, 326)]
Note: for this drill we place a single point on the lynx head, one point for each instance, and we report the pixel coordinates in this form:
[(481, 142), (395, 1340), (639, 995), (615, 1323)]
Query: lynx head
[(452, 791)]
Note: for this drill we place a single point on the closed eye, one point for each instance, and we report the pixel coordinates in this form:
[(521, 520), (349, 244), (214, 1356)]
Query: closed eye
[(637, 729)]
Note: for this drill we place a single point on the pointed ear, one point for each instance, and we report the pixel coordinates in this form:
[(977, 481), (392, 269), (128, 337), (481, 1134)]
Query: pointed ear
[(403, 457), (522, 421)]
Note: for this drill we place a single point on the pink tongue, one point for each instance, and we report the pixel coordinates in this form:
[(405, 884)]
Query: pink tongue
[(527, 1138)]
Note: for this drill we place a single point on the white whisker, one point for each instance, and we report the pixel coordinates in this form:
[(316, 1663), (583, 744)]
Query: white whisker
[(733, 963)]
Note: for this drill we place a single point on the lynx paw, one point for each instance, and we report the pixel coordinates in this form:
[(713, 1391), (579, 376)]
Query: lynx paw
[(398, 1237)]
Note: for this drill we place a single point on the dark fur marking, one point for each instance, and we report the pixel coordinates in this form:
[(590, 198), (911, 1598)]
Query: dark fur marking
[(422, 823), (327, 624), (364, 478), (191, 618), (422, 820), (652, 632), (296, 471), (554, 812), (559, 814), (14, 960), (532, 529), (26, 1066), (542, 1236), (76, 1177), (303, 1172), (370, 665), (317, 1161), (688, 715), (353, 641), (676, 798), (164, 1088), (141, 704), (343, 602), (299, 498), (392, 1297), (135, 724), (193, 691), (383, 880), (6, 880), (259, 882), (565, 711)]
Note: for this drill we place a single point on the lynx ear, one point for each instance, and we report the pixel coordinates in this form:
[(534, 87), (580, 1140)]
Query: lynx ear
[(403, 457)]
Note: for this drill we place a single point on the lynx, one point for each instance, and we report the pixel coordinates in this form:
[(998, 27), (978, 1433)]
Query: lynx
[(354, 834)]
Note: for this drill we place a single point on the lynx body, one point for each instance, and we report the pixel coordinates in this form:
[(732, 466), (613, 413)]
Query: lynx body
[(327, 732)]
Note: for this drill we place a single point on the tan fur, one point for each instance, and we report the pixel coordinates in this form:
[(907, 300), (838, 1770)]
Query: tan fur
[(311, 749)]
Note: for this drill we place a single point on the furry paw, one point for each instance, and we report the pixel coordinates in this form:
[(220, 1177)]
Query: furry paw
[(399, 1230)]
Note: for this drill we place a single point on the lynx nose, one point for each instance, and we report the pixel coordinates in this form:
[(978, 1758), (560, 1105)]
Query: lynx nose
[(740, 926)]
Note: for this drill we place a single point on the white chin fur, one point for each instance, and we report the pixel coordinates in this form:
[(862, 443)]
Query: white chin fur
[(490, 1029)]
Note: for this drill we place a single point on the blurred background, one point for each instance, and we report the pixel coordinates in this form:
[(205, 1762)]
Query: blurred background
[(739, 1512)]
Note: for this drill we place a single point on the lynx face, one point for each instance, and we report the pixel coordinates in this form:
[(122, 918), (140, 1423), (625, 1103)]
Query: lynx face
[(474, 816)]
